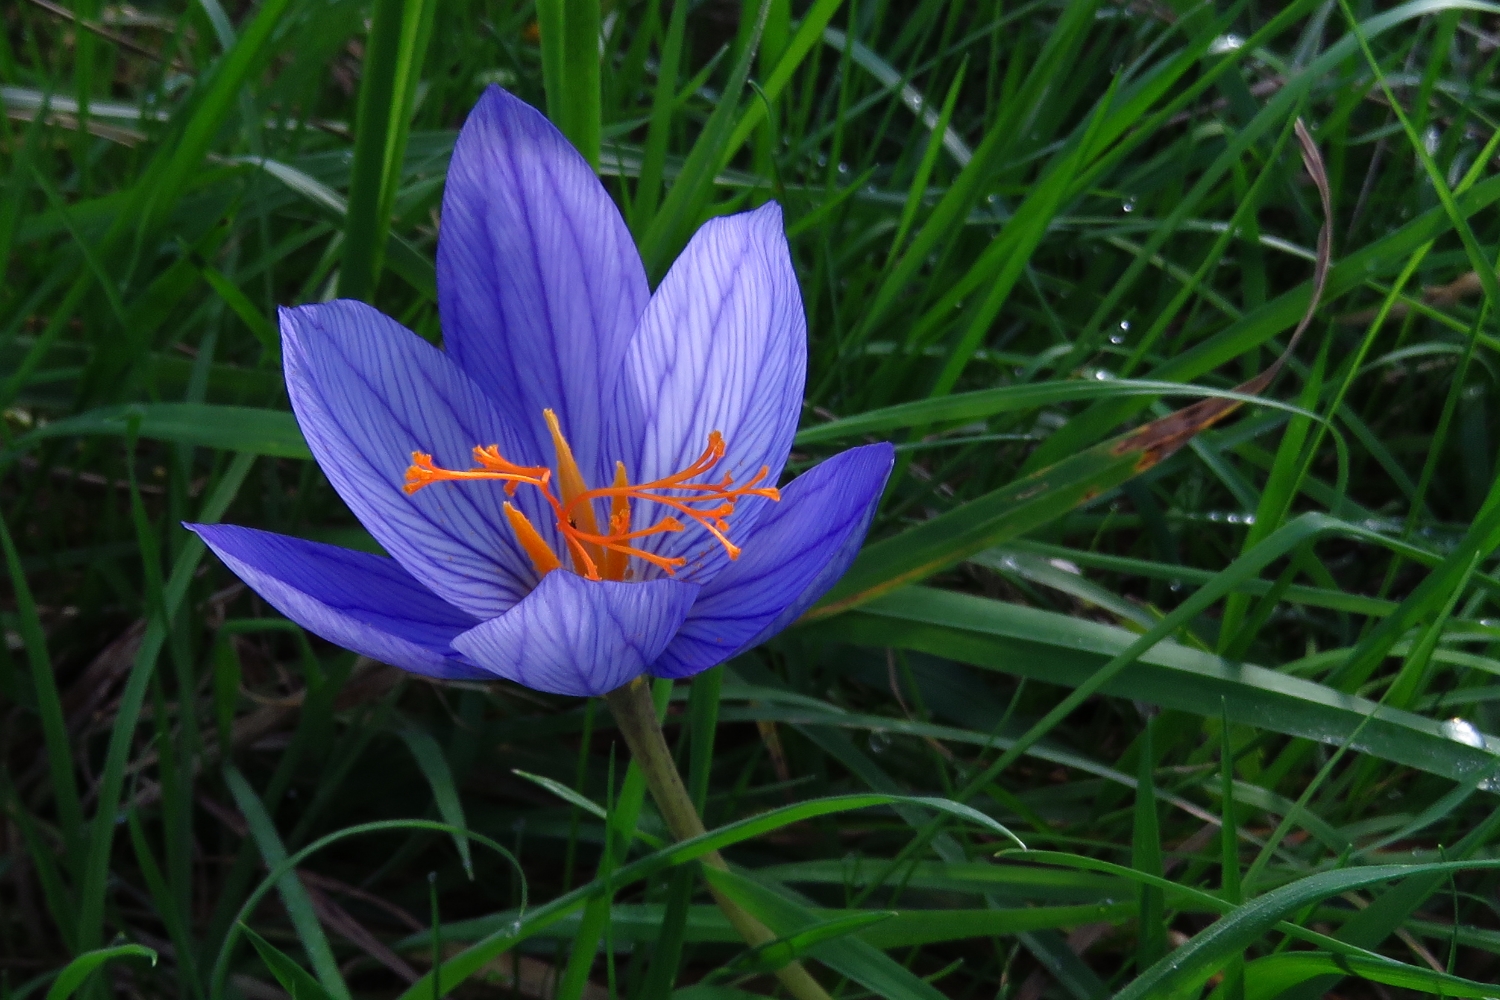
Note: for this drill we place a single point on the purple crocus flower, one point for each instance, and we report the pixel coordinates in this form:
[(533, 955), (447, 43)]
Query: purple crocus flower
[(581, 487)]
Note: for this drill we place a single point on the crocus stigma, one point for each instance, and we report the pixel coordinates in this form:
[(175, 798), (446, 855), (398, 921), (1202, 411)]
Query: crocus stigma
[(581, 487)]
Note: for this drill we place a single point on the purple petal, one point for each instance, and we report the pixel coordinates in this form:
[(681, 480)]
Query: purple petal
[(367, 393), (800, 548), (722, 347), (539, 283), (580, 637), (363, 602)]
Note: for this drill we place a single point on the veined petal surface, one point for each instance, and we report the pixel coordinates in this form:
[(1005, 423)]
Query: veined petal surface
[(722, 347), (799, 549), (360, 601), (580, 637), (367, 393), (539, 283)]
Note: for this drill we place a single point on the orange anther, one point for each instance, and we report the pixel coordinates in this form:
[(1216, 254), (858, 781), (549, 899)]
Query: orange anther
[(617, 562), (542, 556)]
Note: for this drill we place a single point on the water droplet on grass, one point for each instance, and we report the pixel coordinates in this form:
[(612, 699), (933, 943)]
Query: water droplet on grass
[(1463, 731)]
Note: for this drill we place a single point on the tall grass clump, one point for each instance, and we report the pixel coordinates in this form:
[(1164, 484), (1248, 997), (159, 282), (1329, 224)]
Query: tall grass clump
[(1179, 316)]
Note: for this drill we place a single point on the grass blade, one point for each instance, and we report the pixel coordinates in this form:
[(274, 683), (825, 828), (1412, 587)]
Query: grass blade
[(49, 705), (429, 757), (394, 53), (76, 972), (95, 881), (293, 896)]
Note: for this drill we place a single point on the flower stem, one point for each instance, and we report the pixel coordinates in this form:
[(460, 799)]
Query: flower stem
[(635, 713)]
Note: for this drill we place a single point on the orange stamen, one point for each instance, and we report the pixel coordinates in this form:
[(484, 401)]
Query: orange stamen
[(542, 556), (616, 563), (595, 555), (570, 483), (422, 472)]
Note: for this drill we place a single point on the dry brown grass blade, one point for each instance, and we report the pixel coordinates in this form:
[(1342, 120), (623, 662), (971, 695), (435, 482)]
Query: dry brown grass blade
[(368, 682), (1465, 286), (123, 41), (329, 913), (339, 920), (521, 975), (339, 888), (1161, 438)]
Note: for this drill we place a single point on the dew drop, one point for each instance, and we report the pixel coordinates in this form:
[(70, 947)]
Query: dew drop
[(1463, 731), (1430, 140)]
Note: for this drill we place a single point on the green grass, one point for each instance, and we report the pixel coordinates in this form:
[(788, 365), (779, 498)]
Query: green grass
[(1231, 696)]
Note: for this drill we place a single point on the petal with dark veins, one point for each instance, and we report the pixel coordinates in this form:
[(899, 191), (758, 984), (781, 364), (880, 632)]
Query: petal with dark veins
[(539, 283), (580, 637), (363, 602), (798, 551), (368, 393)]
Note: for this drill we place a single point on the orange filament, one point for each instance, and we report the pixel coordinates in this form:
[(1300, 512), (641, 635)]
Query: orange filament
[(422, 472), (595, 555)]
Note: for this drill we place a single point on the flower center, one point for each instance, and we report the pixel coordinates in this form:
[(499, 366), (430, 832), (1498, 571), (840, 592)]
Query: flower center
[(594, 554)]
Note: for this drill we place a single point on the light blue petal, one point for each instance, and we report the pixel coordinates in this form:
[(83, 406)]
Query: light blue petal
[(580, 637), (722, 347), (799, 549), (367, 393), (362, 602), (539, 283)]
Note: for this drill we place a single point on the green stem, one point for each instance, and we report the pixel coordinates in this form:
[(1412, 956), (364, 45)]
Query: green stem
[(635, 713)]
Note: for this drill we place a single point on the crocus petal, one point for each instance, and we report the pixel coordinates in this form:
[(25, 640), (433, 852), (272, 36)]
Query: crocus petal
[(363, 602), (367, 393), (539, 283), (580, 637), (722, 347), (799, 549)]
